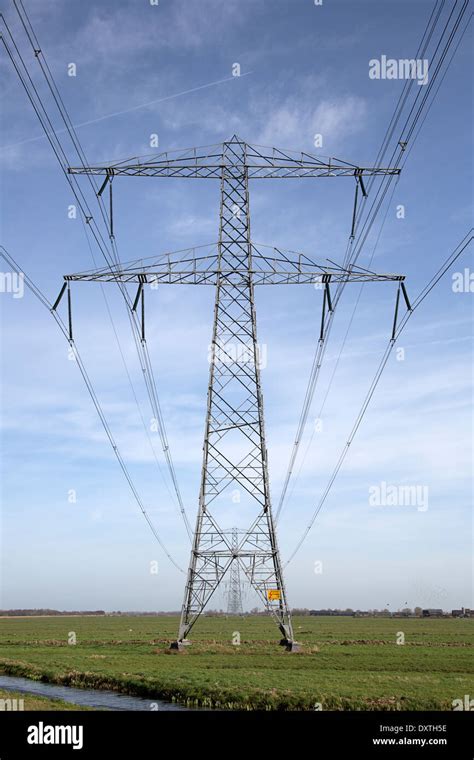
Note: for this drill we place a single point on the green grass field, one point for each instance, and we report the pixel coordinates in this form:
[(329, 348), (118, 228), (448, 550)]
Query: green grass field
[(344, 663)]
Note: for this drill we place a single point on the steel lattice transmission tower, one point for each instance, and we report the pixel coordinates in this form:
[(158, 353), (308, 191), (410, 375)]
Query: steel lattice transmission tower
[(234, 600), (235, 451)]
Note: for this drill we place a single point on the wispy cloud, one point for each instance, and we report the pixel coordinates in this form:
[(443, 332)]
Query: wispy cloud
[(295, 122)]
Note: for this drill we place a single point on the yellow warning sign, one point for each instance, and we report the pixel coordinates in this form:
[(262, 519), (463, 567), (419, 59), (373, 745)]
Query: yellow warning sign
[(273, 594)]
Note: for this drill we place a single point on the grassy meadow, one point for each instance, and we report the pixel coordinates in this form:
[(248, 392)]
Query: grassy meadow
[(344, 663)]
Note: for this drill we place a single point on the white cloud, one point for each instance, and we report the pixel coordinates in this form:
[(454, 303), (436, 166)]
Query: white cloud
[(116, 33), (296, 121)]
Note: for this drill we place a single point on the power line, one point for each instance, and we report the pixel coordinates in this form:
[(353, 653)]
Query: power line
[(87, 215), (141, 346), (127, 372), (418, 301), (68, 336), (341, 349), (361, 238)]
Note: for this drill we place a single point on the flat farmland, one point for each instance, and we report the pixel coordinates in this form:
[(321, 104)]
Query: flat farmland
[(345, 663)]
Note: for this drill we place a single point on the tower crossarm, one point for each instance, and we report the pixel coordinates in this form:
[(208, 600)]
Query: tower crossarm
[(275, 267), (210, 162), (275, 163)]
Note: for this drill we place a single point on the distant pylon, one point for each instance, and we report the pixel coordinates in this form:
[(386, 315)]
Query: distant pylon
[(234, 599)]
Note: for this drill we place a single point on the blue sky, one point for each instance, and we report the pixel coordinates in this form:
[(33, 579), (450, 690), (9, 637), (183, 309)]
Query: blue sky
[(167, 70)]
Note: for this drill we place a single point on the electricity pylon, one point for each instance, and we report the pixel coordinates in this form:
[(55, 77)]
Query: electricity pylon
[(234, 599), (234, 452)]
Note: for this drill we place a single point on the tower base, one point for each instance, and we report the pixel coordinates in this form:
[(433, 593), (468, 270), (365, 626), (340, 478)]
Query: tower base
[(179, 646), (290, 646)]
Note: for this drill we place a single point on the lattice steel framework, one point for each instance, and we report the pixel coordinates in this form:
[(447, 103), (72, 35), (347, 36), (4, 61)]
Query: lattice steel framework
[(234, 453), (234, 597)]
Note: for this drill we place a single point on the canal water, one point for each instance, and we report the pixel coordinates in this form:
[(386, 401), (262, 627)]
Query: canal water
[(102, 699)]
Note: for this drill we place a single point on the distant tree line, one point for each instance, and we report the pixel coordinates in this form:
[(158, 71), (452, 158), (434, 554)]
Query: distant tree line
[(405, 612), (38, 612), (132, 613)]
